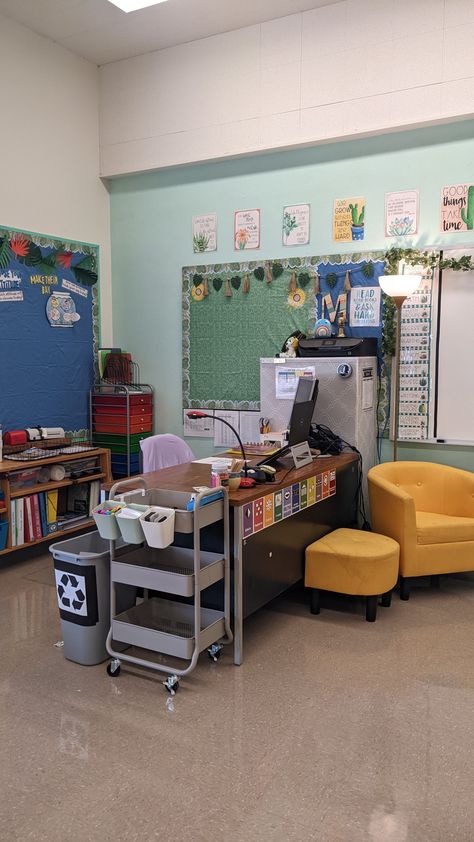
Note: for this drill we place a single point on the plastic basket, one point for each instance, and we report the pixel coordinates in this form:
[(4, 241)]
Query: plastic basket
[(107, 524), (131, 527), (159, 533)]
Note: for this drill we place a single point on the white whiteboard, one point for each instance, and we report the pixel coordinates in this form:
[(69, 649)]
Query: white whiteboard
[(455, 395)]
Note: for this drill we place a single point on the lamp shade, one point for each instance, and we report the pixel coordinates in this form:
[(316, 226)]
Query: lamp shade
[(399, 286)]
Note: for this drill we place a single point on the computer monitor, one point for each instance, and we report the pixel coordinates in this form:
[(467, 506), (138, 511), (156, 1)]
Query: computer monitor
[(300, 419)]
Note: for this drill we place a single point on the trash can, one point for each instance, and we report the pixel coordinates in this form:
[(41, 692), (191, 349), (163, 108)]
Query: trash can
[(82, 574)]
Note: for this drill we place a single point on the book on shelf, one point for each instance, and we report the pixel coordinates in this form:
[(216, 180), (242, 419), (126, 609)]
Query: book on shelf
[(20, 528), (36, 517), (42, 508), (52, 510), (13, 523), (28, 515)]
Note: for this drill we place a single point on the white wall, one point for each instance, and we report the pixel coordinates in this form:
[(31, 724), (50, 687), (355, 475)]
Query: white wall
[(49, 147), (354, 68)]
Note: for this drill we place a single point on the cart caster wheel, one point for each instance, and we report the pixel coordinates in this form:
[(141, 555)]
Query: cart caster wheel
[(171, 684), (214, 651), (113, 668)]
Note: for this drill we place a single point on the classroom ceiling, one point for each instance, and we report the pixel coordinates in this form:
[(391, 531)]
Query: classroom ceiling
[(101, 33)]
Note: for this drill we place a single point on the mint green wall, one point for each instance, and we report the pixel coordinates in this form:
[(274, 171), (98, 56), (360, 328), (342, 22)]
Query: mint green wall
[(151, 233)]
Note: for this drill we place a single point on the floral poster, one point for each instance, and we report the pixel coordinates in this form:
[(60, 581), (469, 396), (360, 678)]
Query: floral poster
[(401, 213), (348, 220), (457, 208), (295, 229), (246, 229), (205, 232)]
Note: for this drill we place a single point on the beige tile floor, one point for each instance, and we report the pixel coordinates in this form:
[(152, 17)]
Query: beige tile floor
[(333, 729)]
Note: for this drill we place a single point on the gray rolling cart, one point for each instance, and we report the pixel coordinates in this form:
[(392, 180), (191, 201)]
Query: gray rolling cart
[(163, 625)]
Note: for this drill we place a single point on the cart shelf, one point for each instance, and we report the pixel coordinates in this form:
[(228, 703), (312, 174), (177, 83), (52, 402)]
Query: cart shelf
[(167, 627), (170, 570)]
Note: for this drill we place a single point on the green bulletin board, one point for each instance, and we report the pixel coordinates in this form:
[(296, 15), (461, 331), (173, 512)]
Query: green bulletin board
[(236, 313)]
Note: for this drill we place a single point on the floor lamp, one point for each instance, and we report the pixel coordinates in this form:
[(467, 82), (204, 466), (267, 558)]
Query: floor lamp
[(398, 287)]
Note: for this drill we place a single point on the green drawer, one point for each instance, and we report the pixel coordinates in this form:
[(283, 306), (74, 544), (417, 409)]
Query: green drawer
[(119, 443)]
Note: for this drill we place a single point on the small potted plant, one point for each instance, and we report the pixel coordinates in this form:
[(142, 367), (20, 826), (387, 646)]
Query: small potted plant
[(357, 227)]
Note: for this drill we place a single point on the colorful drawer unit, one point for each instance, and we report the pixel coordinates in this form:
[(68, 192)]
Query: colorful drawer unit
[(121, 416)]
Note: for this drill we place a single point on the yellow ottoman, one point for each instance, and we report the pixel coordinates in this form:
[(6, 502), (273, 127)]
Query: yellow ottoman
[(352, 561)]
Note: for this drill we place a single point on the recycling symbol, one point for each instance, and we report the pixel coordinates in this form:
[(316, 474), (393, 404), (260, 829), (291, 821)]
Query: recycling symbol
[(71, 593)]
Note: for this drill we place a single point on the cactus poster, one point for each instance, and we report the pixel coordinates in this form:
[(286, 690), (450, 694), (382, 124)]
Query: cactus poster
[(205, 232), (348, 220), (457, 208)]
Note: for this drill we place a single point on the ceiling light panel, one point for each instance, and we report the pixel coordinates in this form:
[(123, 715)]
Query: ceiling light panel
[(134, 5)]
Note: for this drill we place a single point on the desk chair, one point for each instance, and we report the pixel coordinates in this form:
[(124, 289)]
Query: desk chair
[(429, 510), (164, 451)]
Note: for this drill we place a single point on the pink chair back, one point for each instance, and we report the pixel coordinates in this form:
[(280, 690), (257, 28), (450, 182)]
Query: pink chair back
[(164, 451)]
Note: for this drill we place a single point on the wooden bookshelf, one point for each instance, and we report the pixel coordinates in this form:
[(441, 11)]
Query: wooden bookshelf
[(10, 467)]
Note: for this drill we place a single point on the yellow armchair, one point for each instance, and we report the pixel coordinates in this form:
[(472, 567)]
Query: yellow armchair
[(429, 510)]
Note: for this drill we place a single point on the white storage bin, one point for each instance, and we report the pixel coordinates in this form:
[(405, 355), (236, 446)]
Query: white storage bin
[(160, 532), (131, 527), (107, 524)]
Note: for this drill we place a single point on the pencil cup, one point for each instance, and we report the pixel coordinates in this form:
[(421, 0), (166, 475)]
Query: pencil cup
[(106, 522), (158, 526)]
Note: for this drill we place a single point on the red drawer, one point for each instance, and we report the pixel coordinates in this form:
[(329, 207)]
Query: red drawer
[(135, 410), (117, 400), (140, 425)]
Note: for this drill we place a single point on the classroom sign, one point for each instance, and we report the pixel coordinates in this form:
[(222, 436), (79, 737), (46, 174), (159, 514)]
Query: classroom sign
[(457, 208), (365, 307), (205, 233), (348, 220), (401, 213)]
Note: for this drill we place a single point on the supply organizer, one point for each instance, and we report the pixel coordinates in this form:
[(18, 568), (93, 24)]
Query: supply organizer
[(147, 520), (121, 415)]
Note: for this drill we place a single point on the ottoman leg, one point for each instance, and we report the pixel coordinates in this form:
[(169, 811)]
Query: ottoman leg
[(315, 601), (404, 588), (386, 600), (371, 609)]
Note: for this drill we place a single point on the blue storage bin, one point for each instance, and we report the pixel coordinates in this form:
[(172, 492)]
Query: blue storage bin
[(3, 534)]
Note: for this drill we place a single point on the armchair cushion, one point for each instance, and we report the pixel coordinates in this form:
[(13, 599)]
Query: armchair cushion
[(433, 528)]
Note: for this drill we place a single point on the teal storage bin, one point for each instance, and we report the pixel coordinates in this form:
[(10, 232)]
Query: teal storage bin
[(3, 534)]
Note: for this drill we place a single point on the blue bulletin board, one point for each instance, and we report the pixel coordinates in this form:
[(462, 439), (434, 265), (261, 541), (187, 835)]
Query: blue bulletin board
[(49, 330)]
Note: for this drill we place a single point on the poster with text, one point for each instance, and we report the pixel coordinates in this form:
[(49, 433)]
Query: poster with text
[(295, 229), (246, 229), (205, 232), (401, 213), (365, 307), (348, 220), (457, 208)]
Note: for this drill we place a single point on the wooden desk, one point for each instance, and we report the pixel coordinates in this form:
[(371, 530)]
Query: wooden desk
[(270, 535)]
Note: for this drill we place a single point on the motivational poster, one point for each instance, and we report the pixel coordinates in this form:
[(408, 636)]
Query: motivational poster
[(401, 213), (295, 229), (205, 232), (457, 208), (365, 307), (348, 220), (246, 229)]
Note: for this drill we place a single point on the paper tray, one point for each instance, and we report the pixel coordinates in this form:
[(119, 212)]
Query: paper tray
[(167, 627), (170, 570)]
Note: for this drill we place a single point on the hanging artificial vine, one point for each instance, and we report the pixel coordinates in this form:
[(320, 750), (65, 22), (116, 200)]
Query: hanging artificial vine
[(429, 260)]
